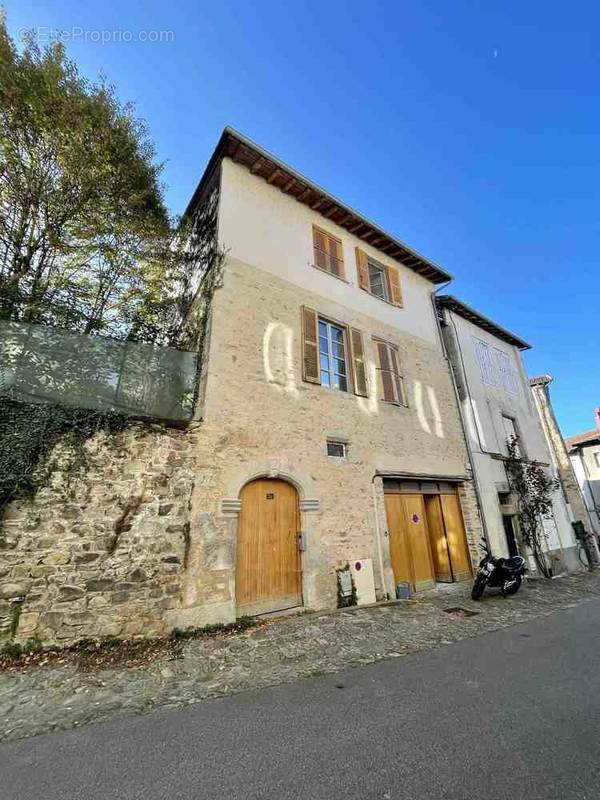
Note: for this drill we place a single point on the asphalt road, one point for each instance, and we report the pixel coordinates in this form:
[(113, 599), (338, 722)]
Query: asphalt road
[(514, 714)]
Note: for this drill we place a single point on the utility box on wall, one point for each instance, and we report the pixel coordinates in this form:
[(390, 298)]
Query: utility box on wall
[(362, 573)]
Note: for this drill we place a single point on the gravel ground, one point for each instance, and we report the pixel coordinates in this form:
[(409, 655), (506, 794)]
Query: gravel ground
[(60, 697)]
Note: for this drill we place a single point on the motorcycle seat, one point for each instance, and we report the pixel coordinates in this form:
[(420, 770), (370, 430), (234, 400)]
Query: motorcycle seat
[(515, 562)]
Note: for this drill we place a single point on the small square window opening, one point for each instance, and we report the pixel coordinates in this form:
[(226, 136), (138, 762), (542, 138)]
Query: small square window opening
[(336, 449)]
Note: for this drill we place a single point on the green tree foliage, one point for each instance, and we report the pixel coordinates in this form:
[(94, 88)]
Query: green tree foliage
[(86, 242)]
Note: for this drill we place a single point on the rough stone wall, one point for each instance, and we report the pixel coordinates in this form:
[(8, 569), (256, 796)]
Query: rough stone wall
[(541, 393), (261, 418), (104, 556), (472, 520)]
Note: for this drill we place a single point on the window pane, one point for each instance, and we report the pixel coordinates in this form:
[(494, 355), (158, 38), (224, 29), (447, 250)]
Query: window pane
[(339, 366), (339, 382), (377, 281), (323, 346), (322, 328), (338, 350), (337, 334), (336, 449), (324, 362), (324, 378)]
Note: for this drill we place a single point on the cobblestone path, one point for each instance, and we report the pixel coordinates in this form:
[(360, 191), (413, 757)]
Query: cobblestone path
[(61, 697)]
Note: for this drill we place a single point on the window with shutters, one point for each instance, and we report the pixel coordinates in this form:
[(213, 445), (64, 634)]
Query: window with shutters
[(377, 280), (506, 371), (332, 356), (484, 359), (328, 252), (390, 379)]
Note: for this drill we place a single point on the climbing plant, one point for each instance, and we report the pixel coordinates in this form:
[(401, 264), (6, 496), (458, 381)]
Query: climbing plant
[(533, 488), (29, 433)]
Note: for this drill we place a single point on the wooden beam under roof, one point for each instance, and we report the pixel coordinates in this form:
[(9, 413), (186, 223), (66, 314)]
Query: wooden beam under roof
[(273, 176), (304, 194), (262, 163)]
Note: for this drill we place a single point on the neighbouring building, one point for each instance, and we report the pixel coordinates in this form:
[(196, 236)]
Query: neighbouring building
[(579, 506), (497, 406), (584, 452)]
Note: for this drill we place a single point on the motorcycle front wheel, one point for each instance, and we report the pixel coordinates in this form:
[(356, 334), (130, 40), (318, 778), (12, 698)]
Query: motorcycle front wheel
[(513, 586), (478, 587)]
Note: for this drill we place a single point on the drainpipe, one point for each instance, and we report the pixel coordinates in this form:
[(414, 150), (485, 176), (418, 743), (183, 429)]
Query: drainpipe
[(462, 419), (378, 540)]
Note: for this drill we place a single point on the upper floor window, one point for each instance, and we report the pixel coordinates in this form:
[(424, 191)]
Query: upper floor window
[(511, 434), (333, 363), (378, 279), (332, 354), (597, 458), (391, 382), (484, 359), (506, 370), (327, 252)]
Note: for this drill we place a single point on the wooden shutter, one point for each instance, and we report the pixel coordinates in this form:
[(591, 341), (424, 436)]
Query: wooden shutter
[(320, 248), (359, 372), (393, 279), (362, 268), (386, 384), (396, 377), (328, 252), (310, 346), (336, 257)]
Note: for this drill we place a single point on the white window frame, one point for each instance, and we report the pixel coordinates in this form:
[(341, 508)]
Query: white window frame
[(330, 356), (337, 443), (371, 262)]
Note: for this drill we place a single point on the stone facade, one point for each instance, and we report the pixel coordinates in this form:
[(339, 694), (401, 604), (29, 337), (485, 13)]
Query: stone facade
[(104, 556), (540, 387), (174, 495)]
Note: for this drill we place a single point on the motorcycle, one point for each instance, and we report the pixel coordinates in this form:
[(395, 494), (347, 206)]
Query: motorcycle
[(505, 573)]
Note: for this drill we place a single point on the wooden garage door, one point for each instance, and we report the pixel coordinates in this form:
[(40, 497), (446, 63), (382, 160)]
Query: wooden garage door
[(267, 574), (456, 537), (409, 540)]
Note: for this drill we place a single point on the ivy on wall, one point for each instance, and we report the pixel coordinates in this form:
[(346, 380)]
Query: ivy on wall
[(29, 433)]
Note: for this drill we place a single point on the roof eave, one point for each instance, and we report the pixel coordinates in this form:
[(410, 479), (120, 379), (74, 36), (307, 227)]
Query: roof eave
[(483, 322), (264, 164)]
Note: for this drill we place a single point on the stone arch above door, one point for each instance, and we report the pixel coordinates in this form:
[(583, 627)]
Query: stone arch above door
[(270, 468), (314, 562)]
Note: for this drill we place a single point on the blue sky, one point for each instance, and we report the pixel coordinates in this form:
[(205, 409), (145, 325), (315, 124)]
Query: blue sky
[(470, 130)]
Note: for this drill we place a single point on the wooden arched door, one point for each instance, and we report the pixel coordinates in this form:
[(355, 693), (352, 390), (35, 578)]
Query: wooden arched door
[(268, 565)]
